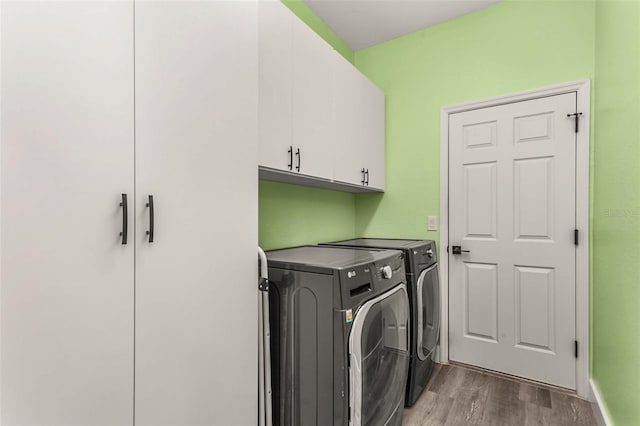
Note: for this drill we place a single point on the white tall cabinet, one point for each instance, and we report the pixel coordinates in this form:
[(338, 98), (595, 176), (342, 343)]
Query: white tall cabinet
[(98, 101)]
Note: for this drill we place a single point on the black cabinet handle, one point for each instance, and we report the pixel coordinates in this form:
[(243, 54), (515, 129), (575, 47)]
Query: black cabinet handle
[(299, 157), (290, 152), (125, 219), (367, 175), (151, 219), (363, 176)]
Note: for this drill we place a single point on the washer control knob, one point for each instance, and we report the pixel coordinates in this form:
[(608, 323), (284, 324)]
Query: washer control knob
[(387, 272), (429, 252)]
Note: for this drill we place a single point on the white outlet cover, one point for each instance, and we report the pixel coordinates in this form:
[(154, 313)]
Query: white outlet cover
[(432, 223)]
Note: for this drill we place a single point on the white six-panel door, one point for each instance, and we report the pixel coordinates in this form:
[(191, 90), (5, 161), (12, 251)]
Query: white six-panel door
[(67, 156), (512, 206), (196, 153)]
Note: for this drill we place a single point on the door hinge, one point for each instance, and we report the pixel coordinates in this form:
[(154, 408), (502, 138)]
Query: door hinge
[(575, 351), (447, 249), (576, 236), (576, 116)]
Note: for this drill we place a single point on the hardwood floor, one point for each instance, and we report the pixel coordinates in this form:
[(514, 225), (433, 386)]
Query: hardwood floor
[(462, 396)]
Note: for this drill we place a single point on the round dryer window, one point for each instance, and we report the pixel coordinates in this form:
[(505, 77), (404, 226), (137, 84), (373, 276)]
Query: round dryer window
[(379, 352), (428, 291)]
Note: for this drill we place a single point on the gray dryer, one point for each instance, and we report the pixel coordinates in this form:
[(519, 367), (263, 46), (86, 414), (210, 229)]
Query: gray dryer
[(339, 336), (423, 286)]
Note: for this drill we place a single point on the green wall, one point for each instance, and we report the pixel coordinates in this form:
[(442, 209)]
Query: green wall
[(616, 213), (292, 215), (508, 47)]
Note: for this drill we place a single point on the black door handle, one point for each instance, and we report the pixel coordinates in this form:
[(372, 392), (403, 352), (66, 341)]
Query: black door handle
[(363, 176), (367, 174), (151, 219), (290, 152), (299, 156), (125, 219), (458, 250)]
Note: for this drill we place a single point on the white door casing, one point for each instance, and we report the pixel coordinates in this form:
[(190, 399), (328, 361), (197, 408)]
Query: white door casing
[(196, 153), (67, 155), (512, 205)]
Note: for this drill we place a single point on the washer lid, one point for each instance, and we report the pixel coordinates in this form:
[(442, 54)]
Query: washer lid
[(327, 257), (386, 243)]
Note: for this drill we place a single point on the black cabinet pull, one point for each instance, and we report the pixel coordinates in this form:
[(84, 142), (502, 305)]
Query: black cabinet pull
[(151, 218), (299, 157), (125, 219), (290, 152), (367, 175), (363, 176)]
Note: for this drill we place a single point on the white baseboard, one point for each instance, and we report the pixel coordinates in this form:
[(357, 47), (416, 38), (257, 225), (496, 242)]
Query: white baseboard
[(599, 408)]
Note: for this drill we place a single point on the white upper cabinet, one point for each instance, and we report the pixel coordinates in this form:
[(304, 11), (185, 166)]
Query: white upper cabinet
[(313, 94), (321, 120), (275, 85)]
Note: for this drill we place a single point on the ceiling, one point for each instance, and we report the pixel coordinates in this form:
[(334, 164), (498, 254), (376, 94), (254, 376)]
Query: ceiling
[(363, 23)]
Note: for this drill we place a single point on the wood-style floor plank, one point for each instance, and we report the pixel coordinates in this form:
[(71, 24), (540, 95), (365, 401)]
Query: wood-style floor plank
[(461, 396)]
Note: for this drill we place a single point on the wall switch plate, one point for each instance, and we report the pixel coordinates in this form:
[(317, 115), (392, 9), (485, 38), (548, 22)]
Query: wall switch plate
[(432, 223)]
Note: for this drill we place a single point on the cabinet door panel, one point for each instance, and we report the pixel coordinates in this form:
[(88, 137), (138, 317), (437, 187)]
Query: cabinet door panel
[(373, 131), (67, 155), (196, 153), (349, 155), (313, 101), (275, 39)]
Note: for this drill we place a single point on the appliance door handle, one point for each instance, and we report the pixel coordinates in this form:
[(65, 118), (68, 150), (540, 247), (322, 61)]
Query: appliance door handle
[(151, 219), (125, 219), (299, 158), (290, 152)]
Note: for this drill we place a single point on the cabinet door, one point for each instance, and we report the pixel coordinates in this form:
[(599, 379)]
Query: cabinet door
[(196, 153), (275, 46), (350, 146), (67, 156), (313, 91), (373, 130)]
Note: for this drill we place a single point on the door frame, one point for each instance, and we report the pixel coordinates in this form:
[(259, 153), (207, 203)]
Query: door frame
[(582, 88)]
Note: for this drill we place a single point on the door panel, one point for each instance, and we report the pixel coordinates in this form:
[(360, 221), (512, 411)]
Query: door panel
[(349, 154), (313, 102), (196, 153), (481, 301), (379, 353), (512, 205), (276, 56), (428, 296), (67, 155), (373, 128)]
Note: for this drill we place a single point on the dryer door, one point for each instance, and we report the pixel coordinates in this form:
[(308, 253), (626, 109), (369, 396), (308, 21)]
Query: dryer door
[(379, 354), (428, 298)]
